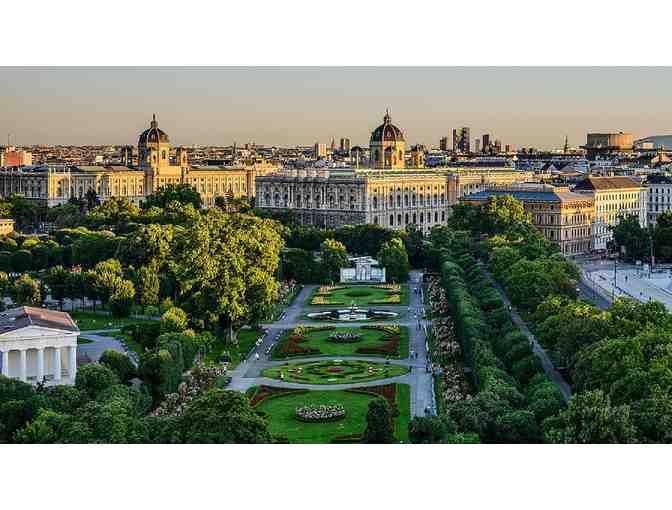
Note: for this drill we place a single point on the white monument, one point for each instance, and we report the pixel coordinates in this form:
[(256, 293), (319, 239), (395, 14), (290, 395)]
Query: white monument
[(38, 345), (366, 270)]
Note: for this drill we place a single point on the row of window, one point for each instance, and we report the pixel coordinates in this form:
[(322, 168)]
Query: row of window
[(412, 219)]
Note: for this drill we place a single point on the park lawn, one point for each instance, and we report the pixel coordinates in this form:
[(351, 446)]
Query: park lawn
[(370, 338), (81, 340), (316, 372), (360, 295), (280, 411), (88, 321), (246, 340)]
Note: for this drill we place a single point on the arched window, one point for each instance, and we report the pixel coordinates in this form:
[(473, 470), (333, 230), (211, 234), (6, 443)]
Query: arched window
[(399, 219), (401, 156), (375, 202), (163, 154), (391, 220), (375, 220), (421, 218), (406, 219)]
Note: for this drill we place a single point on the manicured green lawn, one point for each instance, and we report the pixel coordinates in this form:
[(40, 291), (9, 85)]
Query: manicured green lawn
[(246, 339), (281, 421), (90, 320), (360, 295), (371, 338), (333, 372)]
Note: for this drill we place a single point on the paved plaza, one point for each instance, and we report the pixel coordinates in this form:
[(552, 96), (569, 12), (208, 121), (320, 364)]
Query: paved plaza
[(627, 280)]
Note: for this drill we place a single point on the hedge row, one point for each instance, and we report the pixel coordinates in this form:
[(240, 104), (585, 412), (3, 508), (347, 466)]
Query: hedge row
[(513, 393)]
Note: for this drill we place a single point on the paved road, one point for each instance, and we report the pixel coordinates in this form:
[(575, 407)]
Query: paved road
[(90, 353), (546, 362), (247, 372)]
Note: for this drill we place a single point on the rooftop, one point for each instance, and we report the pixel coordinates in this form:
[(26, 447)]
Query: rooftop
[(24, 316), (606, 183)]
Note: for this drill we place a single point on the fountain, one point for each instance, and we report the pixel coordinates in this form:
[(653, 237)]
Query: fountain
[(353, 314)]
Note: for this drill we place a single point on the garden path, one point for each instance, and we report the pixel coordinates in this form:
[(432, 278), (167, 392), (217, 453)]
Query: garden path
[(419, 379), (540, 352)]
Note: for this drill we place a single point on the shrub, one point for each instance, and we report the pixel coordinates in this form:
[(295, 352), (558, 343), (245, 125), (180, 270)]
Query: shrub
[(94, 378), (120, 364), (379, 425), (174, 320)]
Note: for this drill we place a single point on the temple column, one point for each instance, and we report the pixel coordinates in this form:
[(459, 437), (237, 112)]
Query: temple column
[(5, 363), (22, 369), (40, 365), (57, 364), (72, 362)]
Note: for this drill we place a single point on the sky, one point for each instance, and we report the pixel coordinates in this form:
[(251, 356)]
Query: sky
[(530, 106)]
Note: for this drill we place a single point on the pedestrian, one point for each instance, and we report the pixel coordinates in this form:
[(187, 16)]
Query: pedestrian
[(256, 356), (412, 353)]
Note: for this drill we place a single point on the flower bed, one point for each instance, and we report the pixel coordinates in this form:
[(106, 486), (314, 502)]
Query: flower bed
[(390, 330), (266, 392), (387, 391), (320, 414), (355, 437), (348, 337)]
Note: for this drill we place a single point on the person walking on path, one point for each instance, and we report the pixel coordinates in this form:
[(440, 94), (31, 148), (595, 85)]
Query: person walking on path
[(256, 356)]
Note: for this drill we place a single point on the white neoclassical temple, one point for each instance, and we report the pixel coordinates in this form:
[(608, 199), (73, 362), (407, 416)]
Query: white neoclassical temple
[(38, 345), (366, 270)]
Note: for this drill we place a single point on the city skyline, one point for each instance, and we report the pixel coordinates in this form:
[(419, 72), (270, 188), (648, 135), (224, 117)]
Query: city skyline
[(301, 106)]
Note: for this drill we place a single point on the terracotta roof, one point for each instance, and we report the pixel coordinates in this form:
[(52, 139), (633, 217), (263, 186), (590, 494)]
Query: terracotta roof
[(606, 183), (24, 316)]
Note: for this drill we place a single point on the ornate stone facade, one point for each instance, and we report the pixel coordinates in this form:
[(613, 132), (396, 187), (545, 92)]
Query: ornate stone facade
[(388, 194), (57, 184)]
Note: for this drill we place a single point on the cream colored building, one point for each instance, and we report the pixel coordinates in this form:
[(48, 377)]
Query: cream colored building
[(614, 197), (6, 226), (563, 217), (387, 194), (38, 345), (155, 169)]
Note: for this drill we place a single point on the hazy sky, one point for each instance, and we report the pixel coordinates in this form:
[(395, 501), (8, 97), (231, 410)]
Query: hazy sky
[(289, 106)]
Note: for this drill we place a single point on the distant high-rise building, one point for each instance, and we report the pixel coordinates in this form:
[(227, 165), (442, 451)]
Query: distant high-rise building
[(345, 145), (461, 139), (320, 150), (486, 142), (477, 145), (498, 146), (333, 145), (443, 144)]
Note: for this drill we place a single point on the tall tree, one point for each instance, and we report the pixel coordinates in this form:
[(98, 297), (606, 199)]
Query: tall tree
[(333, 257), (226, 267), (379, 424), (394, 259)]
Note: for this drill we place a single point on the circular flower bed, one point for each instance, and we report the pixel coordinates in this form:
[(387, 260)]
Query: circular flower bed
[(320, 414), (345, 338)]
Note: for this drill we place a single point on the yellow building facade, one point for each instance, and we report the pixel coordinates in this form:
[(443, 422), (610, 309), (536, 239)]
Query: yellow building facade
[(56, 184)]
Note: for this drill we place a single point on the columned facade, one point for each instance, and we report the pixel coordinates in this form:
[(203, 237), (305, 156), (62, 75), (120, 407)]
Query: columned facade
[(38, 346), (51, 365)]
